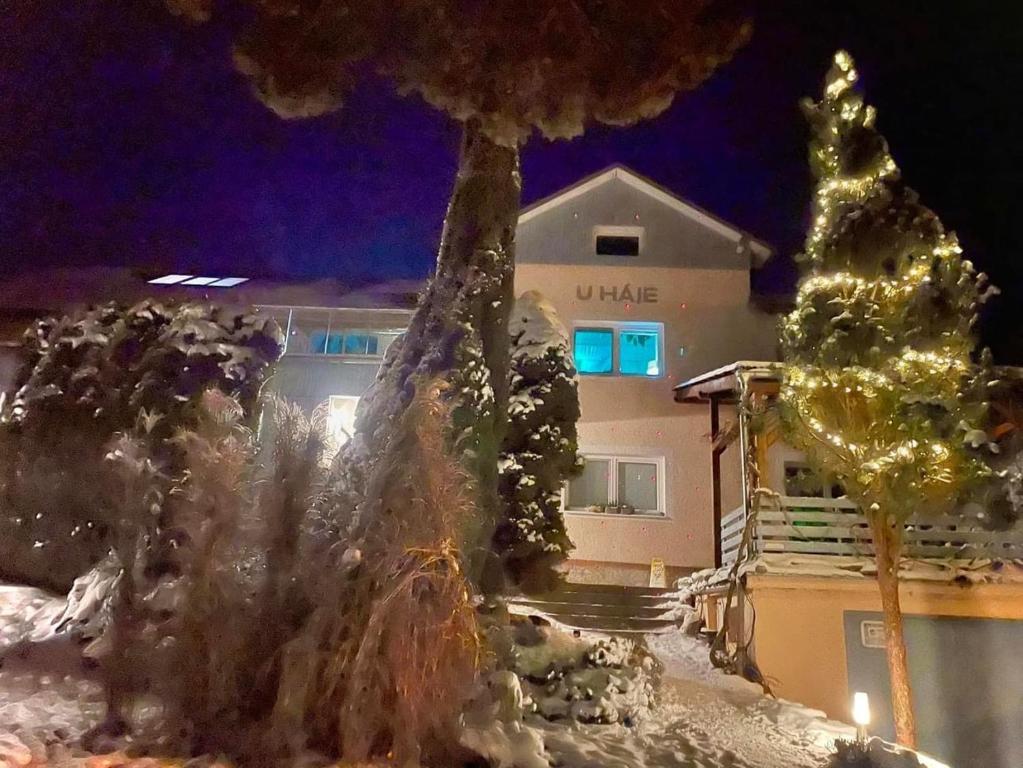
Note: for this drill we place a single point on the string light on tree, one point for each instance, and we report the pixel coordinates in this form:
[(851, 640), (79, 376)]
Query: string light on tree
[(881, 386)]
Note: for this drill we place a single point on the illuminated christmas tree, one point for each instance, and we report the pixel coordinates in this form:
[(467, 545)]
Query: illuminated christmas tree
[(881, 386)]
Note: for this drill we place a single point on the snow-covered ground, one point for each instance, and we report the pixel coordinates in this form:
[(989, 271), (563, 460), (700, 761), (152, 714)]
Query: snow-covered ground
[(703, 718)]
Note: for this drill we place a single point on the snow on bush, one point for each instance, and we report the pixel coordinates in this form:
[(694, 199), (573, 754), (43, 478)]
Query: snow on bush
[(93, 374), (873, 754), (565, 677), (540, 449)]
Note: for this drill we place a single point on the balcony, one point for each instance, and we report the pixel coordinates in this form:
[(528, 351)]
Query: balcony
[(817, 526), (350, 335)]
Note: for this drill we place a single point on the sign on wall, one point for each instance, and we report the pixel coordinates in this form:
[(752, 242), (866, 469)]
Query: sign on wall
[(640, 294), (658, 575)]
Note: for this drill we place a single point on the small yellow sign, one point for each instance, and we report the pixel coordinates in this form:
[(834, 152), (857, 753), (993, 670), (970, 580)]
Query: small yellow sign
[(658, 577)]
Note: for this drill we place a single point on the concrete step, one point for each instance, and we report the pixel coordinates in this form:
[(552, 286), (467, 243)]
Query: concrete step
[(621, 610), (604, 607)]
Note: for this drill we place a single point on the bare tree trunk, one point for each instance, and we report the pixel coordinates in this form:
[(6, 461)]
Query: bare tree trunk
[(888, 552), (460, 333)]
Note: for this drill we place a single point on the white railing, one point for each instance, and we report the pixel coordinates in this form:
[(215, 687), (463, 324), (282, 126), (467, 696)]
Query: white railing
[(809, 525), (732, 526)]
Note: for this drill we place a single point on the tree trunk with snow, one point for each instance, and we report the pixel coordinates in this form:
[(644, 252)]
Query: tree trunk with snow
[(888, 552), (460, 333)]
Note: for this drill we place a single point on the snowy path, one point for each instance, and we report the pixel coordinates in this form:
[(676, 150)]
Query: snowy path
[(704, 719)]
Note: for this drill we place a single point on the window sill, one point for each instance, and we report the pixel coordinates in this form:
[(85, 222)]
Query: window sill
[(616, 515), (341, 358), (628, 376)]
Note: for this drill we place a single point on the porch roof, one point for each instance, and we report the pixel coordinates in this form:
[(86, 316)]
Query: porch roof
[(723, 383)]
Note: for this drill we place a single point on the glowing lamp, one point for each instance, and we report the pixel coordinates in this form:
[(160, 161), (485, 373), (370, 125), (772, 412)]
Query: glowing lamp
[(861, 714)]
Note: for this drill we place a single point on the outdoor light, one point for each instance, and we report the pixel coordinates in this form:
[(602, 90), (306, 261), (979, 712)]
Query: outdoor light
[(861, 714)]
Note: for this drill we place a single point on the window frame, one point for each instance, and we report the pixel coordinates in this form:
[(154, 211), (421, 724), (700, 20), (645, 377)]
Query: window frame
[(605, 230), (617, 326), (341, 335), (827, 487), (613, 459), (331, 399)]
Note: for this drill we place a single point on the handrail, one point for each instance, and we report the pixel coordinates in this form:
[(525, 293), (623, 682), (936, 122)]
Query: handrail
[(822, 526)]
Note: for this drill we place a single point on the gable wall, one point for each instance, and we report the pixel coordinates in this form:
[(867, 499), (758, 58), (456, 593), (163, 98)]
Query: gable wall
[(691, 279)]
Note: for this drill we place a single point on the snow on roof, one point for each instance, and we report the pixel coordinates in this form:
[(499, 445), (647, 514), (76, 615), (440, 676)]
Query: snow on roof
[(53, 290), (761, 251)]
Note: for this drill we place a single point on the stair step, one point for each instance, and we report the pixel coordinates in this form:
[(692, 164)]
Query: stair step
[(612, 624), (573, 587), (594, 609)]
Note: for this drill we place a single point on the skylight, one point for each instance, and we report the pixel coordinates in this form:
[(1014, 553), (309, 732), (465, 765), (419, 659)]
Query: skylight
[(210, 282), (169, 279)]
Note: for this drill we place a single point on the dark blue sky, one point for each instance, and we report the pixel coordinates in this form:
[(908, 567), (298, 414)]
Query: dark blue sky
[(126, 138)]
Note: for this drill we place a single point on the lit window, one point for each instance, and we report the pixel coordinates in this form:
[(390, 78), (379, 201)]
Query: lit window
[(624, 349), (594, 350), (341, 419), (360, 344), (625, 485), (639, 353), (334, 419), (334, 343)]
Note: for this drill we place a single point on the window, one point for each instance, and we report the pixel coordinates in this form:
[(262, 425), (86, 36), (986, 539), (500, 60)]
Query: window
[(623, 485), (594, 350), (341, 418), (639, 353), (360, 343), (617, 241), (802, 480), (617, 245), (622, 349)]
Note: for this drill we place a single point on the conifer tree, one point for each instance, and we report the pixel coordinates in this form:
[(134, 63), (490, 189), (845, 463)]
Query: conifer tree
[(540, 449), (503, 69), (881, 387)]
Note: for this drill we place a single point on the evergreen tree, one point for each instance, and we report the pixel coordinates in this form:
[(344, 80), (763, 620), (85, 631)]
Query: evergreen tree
[(880, 388), (503, 69), (540, 449), (89, 376)]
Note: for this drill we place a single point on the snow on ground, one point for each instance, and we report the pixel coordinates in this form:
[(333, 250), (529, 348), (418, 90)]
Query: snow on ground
[(46, 690), (703, 718)]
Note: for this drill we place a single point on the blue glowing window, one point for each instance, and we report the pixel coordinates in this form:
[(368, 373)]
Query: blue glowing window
[(594, 350), (639, 353), (334, 344), (360, 344)]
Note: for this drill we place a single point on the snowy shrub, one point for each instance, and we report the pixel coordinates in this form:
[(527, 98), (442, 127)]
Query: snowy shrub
[(390, 653), (212, 588), (874, 754), (87, 377), (565, 677), (540, 449)]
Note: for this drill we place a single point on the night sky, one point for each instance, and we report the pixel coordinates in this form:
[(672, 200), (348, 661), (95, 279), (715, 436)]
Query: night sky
[(126, 138)]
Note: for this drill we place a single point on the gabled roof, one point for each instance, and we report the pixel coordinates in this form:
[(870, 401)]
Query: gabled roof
[(760, 250)]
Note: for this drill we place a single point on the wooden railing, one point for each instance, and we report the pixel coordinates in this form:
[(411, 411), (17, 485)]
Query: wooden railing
[(809, 525)]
